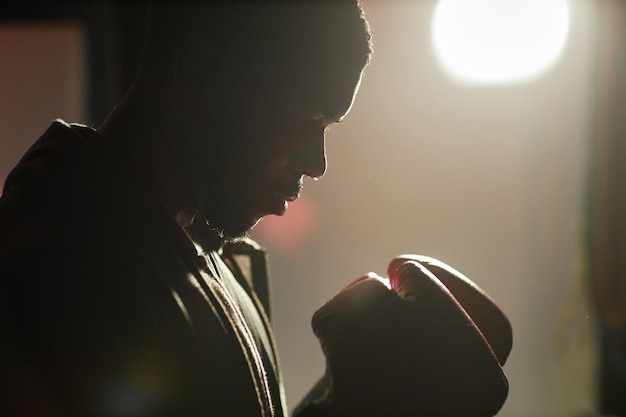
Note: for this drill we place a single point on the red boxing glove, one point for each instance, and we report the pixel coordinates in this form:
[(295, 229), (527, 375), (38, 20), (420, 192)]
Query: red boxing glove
[(482, 309), (414, 345)]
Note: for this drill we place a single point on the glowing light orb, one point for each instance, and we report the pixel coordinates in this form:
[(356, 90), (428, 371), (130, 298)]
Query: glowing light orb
[(494, 41)]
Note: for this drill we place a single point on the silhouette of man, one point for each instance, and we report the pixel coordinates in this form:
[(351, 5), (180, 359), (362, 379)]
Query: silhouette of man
[(117, 298), (129, 286)]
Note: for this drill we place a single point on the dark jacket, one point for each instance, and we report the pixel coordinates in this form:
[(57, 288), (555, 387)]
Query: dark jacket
[(107, 308)]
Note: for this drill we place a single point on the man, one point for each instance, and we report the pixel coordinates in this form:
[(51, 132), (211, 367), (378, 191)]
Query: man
[(122, 294)]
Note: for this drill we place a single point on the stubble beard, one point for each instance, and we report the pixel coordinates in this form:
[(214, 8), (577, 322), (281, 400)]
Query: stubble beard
[(223, 216)]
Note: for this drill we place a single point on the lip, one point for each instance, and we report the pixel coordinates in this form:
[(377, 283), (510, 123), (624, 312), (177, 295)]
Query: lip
[(287, 197), (276, 203), (287, 192), (278, 197)]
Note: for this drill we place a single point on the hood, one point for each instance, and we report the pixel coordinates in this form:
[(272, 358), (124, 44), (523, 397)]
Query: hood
[(56, 155)]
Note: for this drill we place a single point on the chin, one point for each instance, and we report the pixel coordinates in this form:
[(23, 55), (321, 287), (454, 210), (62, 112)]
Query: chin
[(229, 222), (240, 231), (233, 230), (211, 237)]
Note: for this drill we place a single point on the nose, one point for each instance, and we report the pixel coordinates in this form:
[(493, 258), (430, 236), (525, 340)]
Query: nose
[(311, 161)]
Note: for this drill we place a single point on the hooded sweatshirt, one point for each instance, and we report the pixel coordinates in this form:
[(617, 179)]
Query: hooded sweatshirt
[(108, 308)]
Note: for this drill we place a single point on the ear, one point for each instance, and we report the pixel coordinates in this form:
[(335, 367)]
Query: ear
[(202, 71)]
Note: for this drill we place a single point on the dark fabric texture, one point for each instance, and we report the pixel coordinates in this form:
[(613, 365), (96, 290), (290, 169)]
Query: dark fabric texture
[(106, 307)]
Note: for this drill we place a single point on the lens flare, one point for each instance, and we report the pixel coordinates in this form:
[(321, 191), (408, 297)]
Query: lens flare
[(497, 41)]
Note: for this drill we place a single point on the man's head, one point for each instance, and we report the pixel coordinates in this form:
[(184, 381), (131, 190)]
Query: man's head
[(256, 84)]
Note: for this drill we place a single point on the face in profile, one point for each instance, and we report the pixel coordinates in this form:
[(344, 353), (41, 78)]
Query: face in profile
[(267, 145)]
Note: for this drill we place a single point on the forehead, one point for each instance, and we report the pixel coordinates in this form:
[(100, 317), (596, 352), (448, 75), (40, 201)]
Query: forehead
[(326, 94)]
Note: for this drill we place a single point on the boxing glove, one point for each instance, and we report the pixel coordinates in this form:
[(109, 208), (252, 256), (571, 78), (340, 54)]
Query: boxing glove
[(482, 309), (407, 346)]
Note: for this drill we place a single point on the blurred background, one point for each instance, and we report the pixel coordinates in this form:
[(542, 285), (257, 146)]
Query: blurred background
[(507, 165)]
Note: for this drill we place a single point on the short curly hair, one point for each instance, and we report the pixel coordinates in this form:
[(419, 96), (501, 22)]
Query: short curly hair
[(261, 37)]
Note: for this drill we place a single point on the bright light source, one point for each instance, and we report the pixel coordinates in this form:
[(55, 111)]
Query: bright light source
[(494, 41)]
